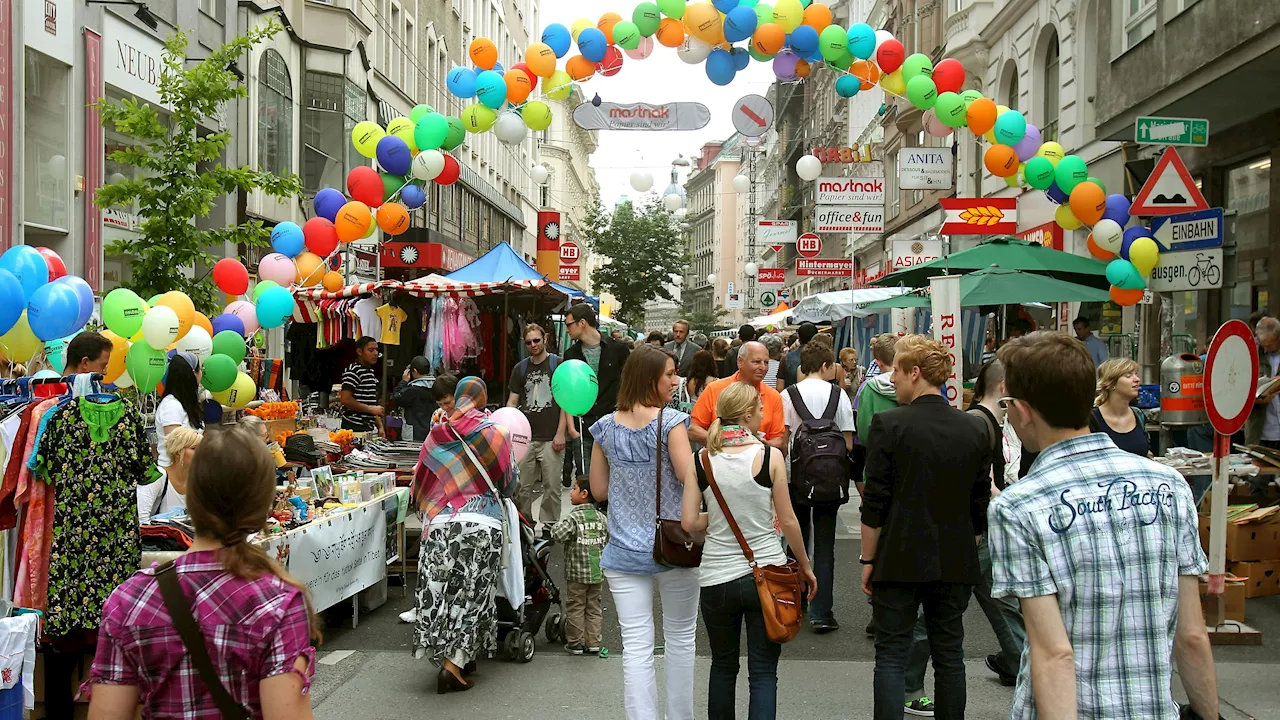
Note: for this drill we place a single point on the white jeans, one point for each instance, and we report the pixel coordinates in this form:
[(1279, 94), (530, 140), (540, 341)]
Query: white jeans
[(633, 595)]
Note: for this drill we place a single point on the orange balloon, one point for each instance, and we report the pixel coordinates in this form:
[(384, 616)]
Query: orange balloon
[(541, 59), (483, 53), (393, 218), (803, 68), (704, 22), (981, 115), (580, 68), (518, 87), (607, 21), (767, 40), (310, 269), (866, 71), (119, 352), (671, 33), (352, 221), (1097, 251), (1125, 298), (181, 306), (1088, 202), (333, 281), (1001, 160), (202, 320), (817, 16)]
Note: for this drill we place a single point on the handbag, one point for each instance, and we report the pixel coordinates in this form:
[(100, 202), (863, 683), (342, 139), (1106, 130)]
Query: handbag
[(673, 546), (779, 586), (193, 640)]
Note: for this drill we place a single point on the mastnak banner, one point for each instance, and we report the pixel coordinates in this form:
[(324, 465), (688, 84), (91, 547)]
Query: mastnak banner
[(642, 116)]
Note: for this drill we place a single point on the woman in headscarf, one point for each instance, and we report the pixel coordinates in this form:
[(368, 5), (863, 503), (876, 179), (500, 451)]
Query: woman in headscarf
[(463, 471)]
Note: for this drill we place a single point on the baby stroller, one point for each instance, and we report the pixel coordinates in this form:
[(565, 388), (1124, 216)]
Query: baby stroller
[(517, 628)]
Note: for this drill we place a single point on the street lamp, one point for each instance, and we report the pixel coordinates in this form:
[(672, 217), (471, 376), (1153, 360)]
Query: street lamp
[(711, 278), (750, 269)]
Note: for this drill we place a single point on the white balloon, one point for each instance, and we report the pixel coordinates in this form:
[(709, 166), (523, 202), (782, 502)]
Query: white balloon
[(741, 183), (539, 174), (809, 167), (428, 164), (693, 50), (750, 269), (510, 129), (1108, 235), (160, 327), (124, 381), (672, 202), (641, 180), (711, 279), (881, 36), (196, 341), (682, 212)]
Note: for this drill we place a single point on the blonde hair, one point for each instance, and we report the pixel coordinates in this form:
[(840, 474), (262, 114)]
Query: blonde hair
[(931, 356), (849, 354), (735, 403), (253, 424), (1109, 373), (882, 349), (179, 441)]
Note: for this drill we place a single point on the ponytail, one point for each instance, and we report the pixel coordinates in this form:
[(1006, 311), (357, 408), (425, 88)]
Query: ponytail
[(736, 402), (715, 443)]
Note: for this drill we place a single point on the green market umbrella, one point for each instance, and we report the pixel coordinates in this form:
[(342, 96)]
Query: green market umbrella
[(1008, 253), (1002, 286)]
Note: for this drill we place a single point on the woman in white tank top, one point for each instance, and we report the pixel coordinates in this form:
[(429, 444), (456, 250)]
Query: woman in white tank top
[(753, 479)]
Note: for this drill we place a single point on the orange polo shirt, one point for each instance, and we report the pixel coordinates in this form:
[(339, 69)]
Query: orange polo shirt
[(772, 424)]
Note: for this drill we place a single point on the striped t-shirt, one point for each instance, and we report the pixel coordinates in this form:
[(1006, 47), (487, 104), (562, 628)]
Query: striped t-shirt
[(363, 384)]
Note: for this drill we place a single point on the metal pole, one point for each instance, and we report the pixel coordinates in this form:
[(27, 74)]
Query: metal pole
[(1218, 528), (751, 225)]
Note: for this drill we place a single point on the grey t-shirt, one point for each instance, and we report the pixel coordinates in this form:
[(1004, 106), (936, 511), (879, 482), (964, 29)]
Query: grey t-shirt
[(592, 354)]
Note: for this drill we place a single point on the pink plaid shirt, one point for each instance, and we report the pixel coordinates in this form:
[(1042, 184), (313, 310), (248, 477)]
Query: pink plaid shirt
[(255, 629)]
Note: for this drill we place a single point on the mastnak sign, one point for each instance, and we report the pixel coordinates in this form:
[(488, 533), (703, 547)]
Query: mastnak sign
[(850, 191), (642, 116)]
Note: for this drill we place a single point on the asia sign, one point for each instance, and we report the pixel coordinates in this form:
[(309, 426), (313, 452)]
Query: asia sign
[(850, 191), (642, 116), (909, 253), (824, 267), (924, 169), (849, 218), (856, 154)]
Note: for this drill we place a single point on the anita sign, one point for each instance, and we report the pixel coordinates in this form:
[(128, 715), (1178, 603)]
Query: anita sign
[(855, 154)]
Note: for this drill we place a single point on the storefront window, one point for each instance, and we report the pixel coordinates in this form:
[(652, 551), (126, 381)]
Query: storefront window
[(46, 171), (275, 115), (324, 133), (1248, 197)]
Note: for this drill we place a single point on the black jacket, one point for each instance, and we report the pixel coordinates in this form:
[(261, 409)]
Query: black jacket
[(928, 486), (612, 356), (416, 401)]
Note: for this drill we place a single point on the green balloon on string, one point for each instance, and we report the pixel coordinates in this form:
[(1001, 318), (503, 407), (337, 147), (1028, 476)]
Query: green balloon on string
[(262, 287), (1098, 182), (391, 185), (229, 343), (146, 366), (457, 133), (218, 372), (759, 56), (574, 386), (418, 112)]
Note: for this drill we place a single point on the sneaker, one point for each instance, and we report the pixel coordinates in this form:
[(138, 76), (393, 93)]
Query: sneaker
[(825, 626), (409, 616), (1006, 679), (575, 649), (922, 707), (590, 649)]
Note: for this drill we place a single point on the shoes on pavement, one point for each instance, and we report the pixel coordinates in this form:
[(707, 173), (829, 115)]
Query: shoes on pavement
[(447, 682), (922, 707), (590, 649), (575, 649), (409, 616), (871, 628), (825, 626), (1006, 679)]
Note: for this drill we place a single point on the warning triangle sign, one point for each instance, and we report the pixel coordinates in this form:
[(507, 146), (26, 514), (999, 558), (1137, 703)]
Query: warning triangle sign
[(1170, 189)]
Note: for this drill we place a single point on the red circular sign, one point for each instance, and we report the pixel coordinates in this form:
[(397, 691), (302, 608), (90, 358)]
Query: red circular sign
[(1231, 377), (569, 252), (809, 245)]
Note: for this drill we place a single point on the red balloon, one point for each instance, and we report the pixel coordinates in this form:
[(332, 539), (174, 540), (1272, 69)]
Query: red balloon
[(364, 184), (231, 277), (612, 62), (57, 268), (321, 236), (524, 68), (948, 75), (890, 55), (449, 175)]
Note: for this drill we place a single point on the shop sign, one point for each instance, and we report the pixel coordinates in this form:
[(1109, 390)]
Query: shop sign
[(548, 260), (1048, 235), (908, 253), (133, 59), (775, 232), (855, 154), (1193, 270), (642, 116), (824, 267), (423, 255), (771, 276), (850, 191), (92, 159), (924, 169), (121, 220), (867, 275), (42, 30), (979, 216), (734, 301), (809, 245), (570, 253), (7, 75), (945, 292), (849, 218), (570, 273)]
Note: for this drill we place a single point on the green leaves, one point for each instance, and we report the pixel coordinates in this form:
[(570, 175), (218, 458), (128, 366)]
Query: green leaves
[(645, 249)]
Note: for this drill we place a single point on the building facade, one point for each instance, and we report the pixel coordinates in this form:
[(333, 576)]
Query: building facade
[(571, 184), (715, 244)]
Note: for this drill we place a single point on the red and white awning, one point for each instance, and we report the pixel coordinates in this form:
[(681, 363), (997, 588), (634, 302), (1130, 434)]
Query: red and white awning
[(435, 285)]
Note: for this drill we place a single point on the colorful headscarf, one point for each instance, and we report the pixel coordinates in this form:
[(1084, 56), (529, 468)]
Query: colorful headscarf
[(446, 477)]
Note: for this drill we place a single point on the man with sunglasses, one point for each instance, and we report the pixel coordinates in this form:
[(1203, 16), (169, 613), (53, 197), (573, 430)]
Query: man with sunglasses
[(606, 357), (531, 393)]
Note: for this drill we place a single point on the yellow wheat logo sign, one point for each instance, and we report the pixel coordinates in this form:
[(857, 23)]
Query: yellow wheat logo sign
[(986, 215)]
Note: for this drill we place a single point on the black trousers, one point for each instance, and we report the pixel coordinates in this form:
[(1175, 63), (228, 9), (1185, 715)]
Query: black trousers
[(894, 609)]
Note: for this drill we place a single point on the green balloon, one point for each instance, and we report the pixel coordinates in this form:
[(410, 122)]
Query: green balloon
[(390, 185), (1039, 172), (646, 16), (1071, 172), (950, 110), (429, 132), (457, 133), (916, 65), (260, 288), (146, 366), (122, 312), (969, 96), (152, 302), (575, 387), (418, 112), (748, 3), (759, 56), (672, 8), (218, 371), (764, 14), (832, 42), (626, 35), (230, 344), (922, 92), (843, 62), (1098, 182)]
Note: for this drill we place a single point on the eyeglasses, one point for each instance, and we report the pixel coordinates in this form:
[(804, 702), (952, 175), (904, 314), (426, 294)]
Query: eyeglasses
[(1005, 402), (534, 341)]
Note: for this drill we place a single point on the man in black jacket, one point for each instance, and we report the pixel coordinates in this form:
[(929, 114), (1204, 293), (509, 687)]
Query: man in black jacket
[(606, 357), (925, 503)]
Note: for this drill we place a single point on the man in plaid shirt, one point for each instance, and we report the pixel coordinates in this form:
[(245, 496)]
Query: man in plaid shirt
[(1102, 549), (583, 533)]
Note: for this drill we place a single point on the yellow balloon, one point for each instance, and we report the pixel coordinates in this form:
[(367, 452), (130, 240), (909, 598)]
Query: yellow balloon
[(478, 118), (788, 14), (119, 351), (893, 83), (365, 136), (19, 345), (1052, 151), (1144, 253), (578, 26), (1015, 179), (536, 115), (240, 393), (402, 127), (1064, 217), (990, 135), (558, 86)]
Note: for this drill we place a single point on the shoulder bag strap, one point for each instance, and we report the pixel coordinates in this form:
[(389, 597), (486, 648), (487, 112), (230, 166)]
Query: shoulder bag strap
[(185, 623), (724, 508), (506, 525), (657, 465), (833, 403), (991, 427)]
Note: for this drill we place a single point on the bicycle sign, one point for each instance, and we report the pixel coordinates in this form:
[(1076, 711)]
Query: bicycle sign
[(1192, 270)]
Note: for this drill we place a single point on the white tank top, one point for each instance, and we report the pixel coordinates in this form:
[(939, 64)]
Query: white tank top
[(752, 507)]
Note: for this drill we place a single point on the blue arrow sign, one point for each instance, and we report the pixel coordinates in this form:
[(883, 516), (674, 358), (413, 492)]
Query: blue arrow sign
[(1199, 230)]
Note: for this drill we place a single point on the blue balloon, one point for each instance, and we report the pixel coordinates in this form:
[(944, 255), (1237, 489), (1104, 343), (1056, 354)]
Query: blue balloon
[(226, 321), (497, 67), (815, 56), (394, 156), (725, 6), (84, 292), (461, 82), (1117, 209), (803, 40), (1055, 193), (558, 38), (287, 239), (592, 44), (328, 202), (1130, 235), (28, 265), (11, 301), (740, 23), (52, 311), (491, 89), (741, 59), (721, 67), (847, 86), (412, 196), (862, 41), (274, 306)]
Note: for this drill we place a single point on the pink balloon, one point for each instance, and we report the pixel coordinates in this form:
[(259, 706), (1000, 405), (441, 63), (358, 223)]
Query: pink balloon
[(517, 427), (933, 125), (277, 268), (642, 50), (247, 313)]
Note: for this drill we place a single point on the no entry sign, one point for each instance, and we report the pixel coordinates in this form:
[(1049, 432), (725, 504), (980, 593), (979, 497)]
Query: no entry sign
[(1231, 377)]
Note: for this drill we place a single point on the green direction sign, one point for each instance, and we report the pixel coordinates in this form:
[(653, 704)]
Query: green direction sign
[(1171, 131), (768, 299)]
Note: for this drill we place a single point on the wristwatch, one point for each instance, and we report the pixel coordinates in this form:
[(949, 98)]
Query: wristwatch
[(863, 561)]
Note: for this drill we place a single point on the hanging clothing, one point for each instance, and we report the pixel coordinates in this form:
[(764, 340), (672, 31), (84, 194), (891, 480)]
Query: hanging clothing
[(36, 535), (392, 317)]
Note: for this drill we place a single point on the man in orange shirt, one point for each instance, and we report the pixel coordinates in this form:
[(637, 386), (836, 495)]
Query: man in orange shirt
[(753, 364)]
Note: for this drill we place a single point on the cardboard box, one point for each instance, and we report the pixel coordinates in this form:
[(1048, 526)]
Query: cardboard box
[(1264, 577), (1233, 594), (1247, 542)]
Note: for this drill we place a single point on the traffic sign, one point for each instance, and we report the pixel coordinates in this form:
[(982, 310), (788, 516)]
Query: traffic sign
[(1171, 131), (785, 294), (752, 115), (1170, 189), (768, 299), (1191, 270), (1231, 377), (569, 252), (1198, 230), (809, 245)]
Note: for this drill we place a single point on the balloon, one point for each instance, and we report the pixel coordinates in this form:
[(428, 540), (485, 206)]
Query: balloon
[(1010, 127), (578, 26), (768, 39), (230, 276), (247, 313), (612, 62), (808, 167), (1000, 160), (1013, 181), (182, 306), (788, 14), (559, 85), (261, 288), (483, 53), (364, 184), (1144, 253), (739, 24), (933, 125), (116, 361), (517, 427), (275, 305), (981, 115), (862, 41), (365, 136), (231, 344), (431, 131), (693, 51), (764, 14), (55, 351), (461, 82), (641, 181), (333, 281), (52, 311), (592, 44), (832, 42), (28, 266), (574, 387), (847, 86), (401, 128), (803, 68), (449, 175), (83, 291), (703, 22), (197, 341), (556, 37), (1088, 202), (491, 89), (672, 8), (720, 67), (1098, 252), (642, 50), (818, 17), (969, 96), (218, 371), (1123, 274), (227, 321), (1125, 298), (146, 366), (393, 218), (391, 185), (277, 268), (57, 268), (287, 238), (627, 36), (647, 17), (541, 58), (1064, 217), (518, 86), (866, 72), (418, 112), (670, 32), (1029, 144), (1052, 151), (20, 344), (353, 220), (606, 24), (916, 65), (1070, 172), (922, 92), (412, 196), (1108, 235), (1099, 183), (240, 394), (1038, 172), (893, 83), (804, 40), (122, 312), (309, 270), (537, 115), (478, 118), (321, 236), (948, 75), (950, 110), (159, 328), (890, 55), (1117, 210)]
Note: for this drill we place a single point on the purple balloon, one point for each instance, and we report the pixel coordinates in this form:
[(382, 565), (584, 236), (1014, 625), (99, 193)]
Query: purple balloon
[(86, 297), (227, 321), (328, 202), (1117, 209), (1130, 235), (1026, 147), (394, 156), (1055, 193), (784, 67), (412, 196)]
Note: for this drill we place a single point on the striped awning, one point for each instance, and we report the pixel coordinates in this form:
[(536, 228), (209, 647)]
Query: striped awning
[(319, 293), (435, 285)]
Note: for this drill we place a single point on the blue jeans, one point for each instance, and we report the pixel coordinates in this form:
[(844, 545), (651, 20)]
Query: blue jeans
[(894, 609), (818, 526), (1004, 614), (724, 608)]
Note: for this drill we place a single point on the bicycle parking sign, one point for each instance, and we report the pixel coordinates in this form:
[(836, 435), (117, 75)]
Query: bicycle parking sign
[(1191, 270)]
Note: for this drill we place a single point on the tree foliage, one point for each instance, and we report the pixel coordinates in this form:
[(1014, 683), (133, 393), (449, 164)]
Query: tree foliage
[(182, 178), (704, 320), (645, 252)]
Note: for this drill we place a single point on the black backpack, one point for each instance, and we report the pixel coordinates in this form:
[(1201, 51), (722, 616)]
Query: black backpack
[(819, 459)]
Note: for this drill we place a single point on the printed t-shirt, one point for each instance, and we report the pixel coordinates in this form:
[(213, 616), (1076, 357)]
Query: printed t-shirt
[(392, 318), (532, 383)]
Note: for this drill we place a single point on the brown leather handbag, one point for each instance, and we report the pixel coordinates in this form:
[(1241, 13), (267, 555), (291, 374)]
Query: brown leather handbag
[(779, 586), (672, 545)]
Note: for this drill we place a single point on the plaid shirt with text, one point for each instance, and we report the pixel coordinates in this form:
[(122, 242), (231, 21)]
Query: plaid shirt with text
[(583, 533)]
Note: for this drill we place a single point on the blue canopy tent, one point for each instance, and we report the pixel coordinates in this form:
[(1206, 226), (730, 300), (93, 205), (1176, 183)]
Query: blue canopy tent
[(503, 263)]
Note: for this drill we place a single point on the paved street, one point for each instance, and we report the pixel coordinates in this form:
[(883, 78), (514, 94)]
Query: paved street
[(368, 672)]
